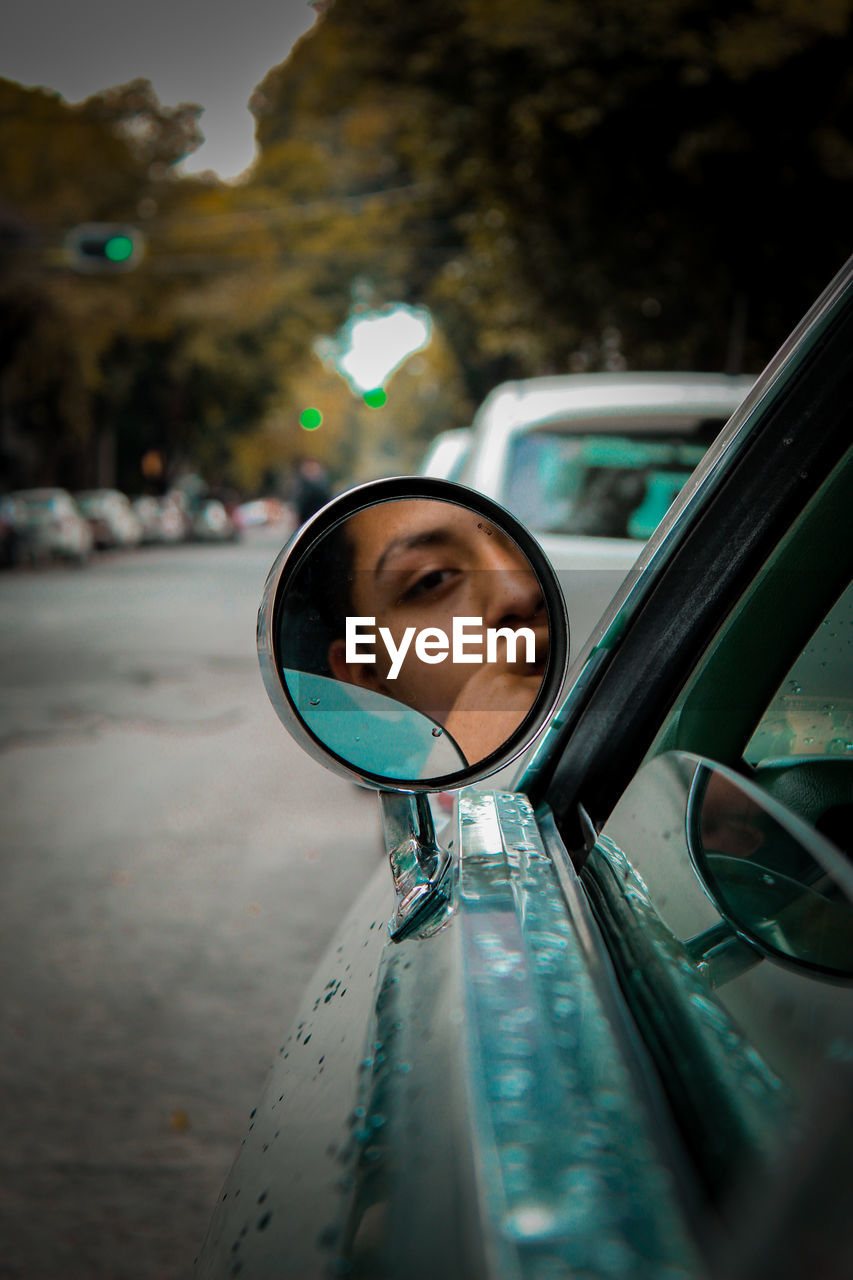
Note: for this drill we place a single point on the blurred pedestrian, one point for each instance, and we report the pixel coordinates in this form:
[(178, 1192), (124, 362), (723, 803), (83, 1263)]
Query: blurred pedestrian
[(311, 488)]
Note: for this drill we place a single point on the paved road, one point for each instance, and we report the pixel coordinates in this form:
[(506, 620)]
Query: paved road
[(172, 868)]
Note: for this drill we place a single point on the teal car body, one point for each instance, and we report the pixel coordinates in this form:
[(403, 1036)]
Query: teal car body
[(588, 1060)]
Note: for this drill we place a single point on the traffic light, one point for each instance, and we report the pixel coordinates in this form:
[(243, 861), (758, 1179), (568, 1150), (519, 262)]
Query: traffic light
[(104, 246)]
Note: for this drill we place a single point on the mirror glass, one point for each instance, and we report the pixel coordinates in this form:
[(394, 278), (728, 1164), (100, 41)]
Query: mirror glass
[(778, 881), (413, 638)]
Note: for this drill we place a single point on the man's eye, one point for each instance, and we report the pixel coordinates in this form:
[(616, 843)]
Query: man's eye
[(427, 583)]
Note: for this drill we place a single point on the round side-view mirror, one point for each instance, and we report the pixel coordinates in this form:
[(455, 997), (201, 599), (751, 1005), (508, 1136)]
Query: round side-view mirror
[(413, 636), (779, 883)]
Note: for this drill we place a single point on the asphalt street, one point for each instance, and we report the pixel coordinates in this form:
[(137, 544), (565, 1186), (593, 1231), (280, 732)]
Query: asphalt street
[(173, 867)]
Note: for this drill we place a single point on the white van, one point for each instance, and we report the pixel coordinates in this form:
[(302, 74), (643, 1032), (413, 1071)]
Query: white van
[(591, 462)]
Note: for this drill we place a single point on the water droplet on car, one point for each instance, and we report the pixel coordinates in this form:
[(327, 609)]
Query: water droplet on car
[(313, 702), (436, 733)]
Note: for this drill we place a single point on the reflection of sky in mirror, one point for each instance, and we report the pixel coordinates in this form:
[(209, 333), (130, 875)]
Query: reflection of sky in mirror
[(213, 53)]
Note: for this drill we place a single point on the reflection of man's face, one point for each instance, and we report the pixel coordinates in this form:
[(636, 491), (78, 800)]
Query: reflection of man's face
[(420, 563), (731, 821)]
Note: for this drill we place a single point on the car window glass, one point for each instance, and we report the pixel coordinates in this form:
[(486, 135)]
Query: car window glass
[(811, 713), (607, 485), (785, 1023), (768, 705), (787, 631), (799, 757)]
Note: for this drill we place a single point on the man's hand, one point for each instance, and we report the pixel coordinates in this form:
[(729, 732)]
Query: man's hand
[(489, 709)]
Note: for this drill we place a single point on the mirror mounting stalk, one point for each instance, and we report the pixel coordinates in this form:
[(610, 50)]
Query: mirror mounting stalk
[(721, 954), (419, 866)]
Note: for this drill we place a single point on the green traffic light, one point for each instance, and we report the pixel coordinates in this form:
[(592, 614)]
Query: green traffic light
[(118, 248), (375, 399), (104, 246), (310, 419)]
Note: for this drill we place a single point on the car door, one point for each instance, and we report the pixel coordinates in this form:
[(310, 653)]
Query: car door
[(748, 682), (547, 1079)]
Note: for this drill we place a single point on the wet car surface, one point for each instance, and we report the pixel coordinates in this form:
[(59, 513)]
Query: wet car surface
[(616, 1038)]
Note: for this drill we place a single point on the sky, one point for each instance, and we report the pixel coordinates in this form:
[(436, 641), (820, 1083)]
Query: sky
[(369, 348), (211, 52)]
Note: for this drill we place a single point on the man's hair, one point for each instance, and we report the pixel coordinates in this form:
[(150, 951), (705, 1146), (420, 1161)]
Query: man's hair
[(318, 602)]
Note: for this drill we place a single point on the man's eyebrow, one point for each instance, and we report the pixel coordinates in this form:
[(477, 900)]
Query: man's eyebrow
[(426, 538)]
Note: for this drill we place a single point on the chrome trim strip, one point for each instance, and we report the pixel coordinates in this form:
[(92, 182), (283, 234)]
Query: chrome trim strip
[(571, 1180)]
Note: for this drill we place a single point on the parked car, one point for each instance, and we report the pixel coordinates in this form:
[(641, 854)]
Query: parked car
[(177, 521), (113, 521), (591, 463), (259, 513), (50, 524), (160, 520), (446, 454), (147, 511), (210, 522), (602, 1025), (13, 549)]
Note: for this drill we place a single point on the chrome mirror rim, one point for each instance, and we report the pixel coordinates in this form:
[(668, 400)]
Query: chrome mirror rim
[(290, 560)]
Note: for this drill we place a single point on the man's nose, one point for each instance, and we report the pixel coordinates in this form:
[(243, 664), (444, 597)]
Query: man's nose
[(509, 589)]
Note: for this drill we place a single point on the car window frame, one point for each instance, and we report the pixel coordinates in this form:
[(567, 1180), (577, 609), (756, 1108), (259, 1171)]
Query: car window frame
[(737, 664), (696, 567)]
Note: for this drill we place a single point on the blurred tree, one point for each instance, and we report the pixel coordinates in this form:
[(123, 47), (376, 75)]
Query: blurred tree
[(565, 186), (558, 173), (354, 441), (158, 136), (104, 159)]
